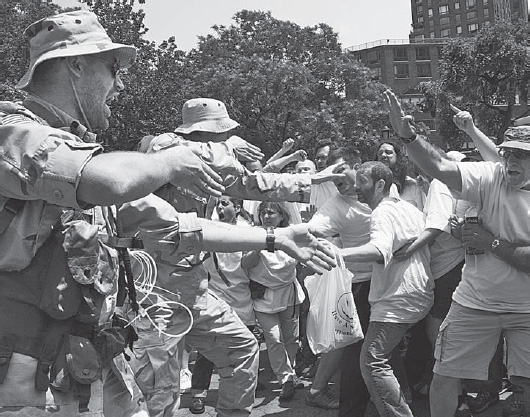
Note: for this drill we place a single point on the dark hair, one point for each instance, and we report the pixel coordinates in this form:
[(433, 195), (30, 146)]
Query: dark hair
[(242, 212), (350, 154), (279, 207), (378, 171), (400, 170)]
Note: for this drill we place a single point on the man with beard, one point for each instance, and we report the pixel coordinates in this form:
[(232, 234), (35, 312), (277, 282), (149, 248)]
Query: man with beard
[(492, 298), (401, 292)]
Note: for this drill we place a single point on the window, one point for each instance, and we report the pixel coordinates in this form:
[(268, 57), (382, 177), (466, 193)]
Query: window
[(432, 35), (458, 19), (373, 56), (486, 13), (424, 69), (419, 37), (420, 19), (401, 71), (445, 33), (485, 2), (444, 21), (400, 54), (471, 3), (473, 27), (459, 30), (376, 73), (471, 15), (430, 12), (422, 54), (418, 1), (419, 9), (443, 9), (457, 6)]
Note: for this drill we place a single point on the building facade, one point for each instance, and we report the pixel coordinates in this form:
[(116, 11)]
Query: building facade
[(404, 64)]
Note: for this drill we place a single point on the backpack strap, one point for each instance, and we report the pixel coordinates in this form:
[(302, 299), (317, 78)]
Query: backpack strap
[(8, 213)]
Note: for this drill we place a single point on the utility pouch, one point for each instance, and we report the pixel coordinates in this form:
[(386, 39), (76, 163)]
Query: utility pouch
[(83, 360)]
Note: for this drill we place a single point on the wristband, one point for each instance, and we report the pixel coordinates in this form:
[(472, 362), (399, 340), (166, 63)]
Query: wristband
[(270, 239), (408, 140), (495, 244)]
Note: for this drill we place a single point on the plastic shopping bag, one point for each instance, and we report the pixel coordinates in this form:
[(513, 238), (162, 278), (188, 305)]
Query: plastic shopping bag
[(332, 321)]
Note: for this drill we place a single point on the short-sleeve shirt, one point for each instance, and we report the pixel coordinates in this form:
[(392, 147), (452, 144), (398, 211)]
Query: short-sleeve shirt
[(446, 250), (401, 291), (343, 215), (488, 282)]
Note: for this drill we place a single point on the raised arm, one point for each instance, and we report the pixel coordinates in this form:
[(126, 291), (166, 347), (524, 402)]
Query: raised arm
[(464, 121), (278, 164), (420, 151), (286, 147)]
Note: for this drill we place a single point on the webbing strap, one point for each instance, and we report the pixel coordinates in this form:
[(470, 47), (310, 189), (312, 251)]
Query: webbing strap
[(8, 213)]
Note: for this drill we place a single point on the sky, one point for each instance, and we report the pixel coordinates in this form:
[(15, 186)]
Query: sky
[(356, 21)]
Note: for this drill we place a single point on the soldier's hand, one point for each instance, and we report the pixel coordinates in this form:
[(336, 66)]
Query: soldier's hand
[(192, 173), (299, 241), (245, 151), (401, 123)]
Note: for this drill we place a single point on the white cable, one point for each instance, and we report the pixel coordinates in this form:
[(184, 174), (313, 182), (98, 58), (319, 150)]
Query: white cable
[(145, 283)]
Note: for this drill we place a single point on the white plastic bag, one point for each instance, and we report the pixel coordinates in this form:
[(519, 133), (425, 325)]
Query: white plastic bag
[(332, 321)]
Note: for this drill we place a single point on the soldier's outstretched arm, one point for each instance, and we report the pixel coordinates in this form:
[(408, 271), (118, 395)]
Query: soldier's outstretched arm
[(298, 241), (118, 177)]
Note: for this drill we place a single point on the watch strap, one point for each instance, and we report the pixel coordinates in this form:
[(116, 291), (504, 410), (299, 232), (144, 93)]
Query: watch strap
[(270, 240)]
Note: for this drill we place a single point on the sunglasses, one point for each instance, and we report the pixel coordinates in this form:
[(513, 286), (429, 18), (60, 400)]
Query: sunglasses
[(505, 153), (114, 66)]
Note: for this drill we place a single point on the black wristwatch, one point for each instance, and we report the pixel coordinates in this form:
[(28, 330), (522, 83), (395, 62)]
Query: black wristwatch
[(270, 239)]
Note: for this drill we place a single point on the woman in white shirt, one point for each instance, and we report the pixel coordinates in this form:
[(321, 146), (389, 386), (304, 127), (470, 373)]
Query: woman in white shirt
[(277, 300)]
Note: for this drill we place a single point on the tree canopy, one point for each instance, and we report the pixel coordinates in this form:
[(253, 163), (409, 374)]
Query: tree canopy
[(277, 78), (485, 75)]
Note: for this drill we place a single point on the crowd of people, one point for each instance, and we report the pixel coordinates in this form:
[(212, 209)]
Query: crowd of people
[(116, 265)]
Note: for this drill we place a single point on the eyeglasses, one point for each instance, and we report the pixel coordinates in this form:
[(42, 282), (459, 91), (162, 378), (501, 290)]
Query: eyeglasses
[(505, 153), (114, 66)]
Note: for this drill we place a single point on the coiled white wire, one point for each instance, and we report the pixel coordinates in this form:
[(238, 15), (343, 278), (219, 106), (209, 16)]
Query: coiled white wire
[(161, 309)]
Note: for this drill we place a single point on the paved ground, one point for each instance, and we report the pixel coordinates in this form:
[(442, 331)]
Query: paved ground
[(267, 402)]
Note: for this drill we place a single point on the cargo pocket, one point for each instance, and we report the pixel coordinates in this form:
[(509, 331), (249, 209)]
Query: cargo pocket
[(440, 341)]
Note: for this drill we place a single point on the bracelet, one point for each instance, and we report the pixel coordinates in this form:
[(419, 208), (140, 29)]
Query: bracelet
[(408, 140), (270, 239)]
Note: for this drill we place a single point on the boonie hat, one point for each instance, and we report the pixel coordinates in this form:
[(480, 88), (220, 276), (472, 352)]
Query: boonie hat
[(517, 137), (71, 34), (205, 115)]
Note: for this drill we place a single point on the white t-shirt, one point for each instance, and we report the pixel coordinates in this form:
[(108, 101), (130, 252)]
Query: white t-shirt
[(446, 251), (411, 193), (320, 193), (345, 216), (400, 292), (277, 271), (488, 282)]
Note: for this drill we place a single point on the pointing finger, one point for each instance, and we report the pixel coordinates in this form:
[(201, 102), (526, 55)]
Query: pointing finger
[(454, 108)]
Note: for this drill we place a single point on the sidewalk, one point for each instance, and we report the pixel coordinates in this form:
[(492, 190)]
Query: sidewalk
[(267, 402)]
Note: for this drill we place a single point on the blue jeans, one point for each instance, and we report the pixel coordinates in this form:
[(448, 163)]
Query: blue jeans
[(379, 342)]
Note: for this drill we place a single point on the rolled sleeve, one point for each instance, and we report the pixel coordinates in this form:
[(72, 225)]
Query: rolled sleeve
[(165, 232), (40, 162)]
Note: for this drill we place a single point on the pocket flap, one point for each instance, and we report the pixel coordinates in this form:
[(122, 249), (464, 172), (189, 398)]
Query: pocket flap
[(83, 360)]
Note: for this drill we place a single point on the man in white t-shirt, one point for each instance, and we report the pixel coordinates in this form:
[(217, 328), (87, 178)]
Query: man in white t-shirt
[(401, 292), (343, 216), (493, 295)]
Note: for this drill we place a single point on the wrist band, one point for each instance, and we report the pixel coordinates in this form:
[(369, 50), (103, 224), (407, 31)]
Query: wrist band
[(408, 140), (270, 239)]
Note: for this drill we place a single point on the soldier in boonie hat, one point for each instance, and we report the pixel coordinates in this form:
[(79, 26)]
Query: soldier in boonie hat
[(205, 115), (71, 34)]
